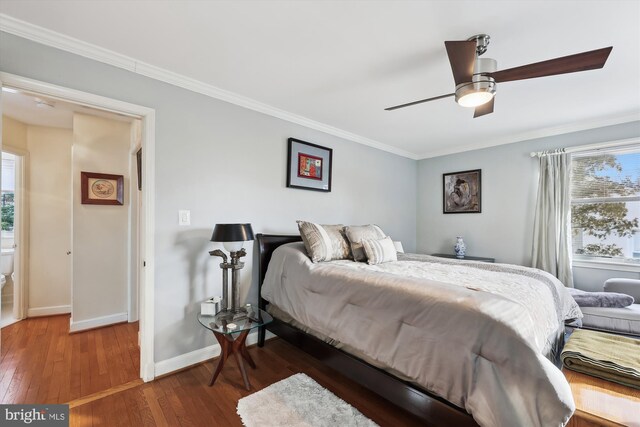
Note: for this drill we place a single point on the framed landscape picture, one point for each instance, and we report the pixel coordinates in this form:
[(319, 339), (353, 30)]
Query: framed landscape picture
[(308, 166), (461, 192), (101, 189)]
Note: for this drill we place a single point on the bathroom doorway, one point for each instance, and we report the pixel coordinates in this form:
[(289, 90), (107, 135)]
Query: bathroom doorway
[(12, 215)]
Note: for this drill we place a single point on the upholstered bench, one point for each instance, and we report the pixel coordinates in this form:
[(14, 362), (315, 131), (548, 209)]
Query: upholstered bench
[(624, 320)]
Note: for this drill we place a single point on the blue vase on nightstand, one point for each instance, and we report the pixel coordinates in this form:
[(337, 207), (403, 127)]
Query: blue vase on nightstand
[(460, 248)]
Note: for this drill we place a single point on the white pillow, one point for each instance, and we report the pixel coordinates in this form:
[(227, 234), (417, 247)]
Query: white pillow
[(398, 245), (357, 233), (379, 251)]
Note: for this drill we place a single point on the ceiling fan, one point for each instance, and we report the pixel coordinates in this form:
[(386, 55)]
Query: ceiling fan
[(476, 78)]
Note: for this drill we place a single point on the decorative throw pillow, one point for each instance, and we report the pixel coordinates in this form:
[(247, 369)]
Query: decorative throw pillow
[(398, 245), (357, 233), (379, 251), (324, 242)]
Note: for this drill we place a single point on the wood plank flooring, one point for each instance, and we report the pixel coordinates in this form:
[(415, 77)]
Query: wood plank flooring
[(97, 371), (602, 403), (185, 399), (40, 362)]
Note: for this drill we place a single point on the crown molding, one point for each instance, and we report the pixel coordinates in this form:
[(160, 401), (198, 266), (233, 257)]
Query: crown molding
[(536, 134), (60, 41)]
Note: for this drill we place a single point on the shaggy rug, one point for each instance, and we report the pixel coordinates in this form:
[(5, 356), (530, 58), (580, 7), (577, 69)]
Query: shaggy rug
[(299, 401)]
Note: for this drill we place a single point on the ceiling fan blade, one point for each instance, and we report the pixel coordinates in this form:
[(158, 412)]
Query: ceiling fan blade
[(584, 61), (419, 102), (486, 108), (462, 56)]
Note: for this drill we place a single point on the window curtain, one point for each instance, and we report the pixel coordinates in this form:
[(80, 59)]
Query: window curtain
[(552, 224)]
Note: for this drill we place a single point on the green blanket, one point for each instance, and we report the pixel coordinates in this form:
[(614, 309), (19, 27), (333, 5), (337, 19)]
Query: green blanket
[(610, 357)]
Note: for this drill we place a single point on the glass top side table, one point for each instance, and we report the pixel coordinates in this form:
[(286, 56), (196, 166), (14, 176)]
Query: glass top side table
[(224, 325)]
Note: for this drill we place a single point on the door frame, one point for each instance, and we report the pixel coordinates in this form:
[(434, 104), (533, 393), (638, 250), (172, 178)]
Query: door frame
[(21, 233), (147, 226)]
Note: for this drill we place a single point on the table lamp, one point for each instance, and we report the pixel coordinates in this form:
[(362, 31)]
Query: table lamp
[(232, 237)]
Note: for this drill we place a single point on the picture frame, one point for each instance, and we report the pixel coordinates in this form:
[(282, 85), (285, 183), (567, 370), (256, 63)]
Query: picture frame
[(462, 192), (309, 166), (101, 189)]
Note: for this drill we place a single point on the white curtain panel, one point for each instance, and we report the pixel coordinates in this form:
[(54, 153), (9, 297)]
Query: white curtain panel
[(552, 224)]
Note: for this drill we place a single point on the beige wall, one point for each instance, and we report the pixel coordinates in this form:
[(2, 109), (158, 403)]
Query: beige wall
[(100, 233), (14, 133), (49, 219)]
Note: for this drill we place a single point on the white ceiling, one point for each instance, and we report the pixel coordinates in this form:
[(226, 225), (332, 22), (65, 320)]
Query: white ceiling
[(342, 62), (22, 106)]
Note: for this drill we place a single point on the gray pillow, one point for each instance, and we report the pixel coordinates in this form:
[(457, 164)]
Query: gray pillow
[(357, 233), (324, 242), (600, 299)]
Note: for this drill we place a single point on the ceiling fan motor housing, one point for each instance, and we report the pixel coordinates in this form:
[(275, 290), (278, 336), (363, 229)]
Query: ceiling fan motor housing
[(481, 88)]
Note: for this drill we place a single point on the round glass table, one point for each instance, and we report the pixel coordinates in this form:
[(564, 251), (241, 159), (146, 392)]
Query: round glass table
[(231, 330)]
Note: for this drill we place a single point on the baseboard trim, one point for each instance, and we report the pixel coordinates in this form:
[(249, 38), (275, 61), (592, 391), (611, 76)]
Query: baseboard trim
[(49, 311), (97, 322), (195, 357)]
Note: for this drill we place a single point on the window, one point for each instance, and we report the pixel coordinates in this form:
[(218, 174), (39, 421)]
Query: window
[(605, 203)]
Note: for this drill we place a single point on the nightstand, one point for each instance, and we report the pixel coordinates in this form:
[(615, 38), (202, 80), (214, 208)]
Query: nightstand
[(468, 258), (224, 325)]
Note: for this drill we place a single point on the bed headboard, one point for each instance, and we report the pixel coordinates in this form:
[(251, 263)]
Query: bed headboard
[(267, 243)]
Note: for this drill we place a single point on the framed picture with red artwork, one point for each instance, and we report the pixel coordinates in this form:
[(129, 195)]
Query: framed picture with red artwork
[(101, 188), (308, 166)]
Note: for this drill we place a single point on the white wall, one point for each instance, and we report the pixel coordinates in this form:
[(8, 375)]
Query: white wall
[(226, 164), (100, 232), (504, 229), (14, 133), (49, 184)]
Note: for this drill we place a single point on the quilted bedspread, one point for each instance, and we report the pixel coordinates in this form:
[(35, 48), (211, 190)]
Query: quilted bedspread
[(476, 334)]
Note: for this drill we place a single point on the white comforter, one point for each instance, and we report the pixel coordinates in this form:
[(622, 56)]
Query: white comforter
[(473, 333)]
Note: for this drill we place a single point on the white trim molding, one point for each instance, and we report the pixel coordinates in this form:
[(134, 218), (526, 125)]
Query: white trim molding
[(538, 133), (607, 265), (48, 311), (198, 356), (60, 41), (97, 322)]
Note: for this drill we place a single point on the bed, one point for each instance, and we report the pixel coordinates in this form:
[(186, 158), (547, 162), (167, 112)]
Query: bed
[(409, 331)]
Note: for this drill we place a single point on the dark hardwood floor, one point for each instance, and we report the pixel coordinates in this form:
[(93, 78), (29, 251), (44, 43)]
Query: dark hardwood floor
[(185, 399), (97, 373), (40, 362)]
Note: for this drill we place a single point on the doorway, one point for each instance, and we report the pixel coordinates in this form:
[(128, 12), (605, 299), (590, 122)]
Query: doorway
[(144, 248), (11, 309)]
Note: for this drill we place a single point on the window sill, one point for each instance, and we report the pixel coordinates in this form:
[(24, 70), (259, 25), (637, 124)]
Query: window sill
[(604, 264)]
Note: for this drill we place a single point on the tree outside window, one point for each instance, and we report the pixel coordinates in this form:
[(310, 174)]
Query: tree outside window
[(605, 204)]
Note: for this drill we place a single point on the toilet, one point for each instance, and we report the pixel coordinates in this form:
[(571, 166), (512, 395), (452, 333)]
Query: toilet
[(6, 265)]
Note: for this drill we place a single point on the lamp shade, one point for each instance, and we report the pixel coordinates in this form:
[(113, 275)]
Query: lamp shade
[(232, 233)]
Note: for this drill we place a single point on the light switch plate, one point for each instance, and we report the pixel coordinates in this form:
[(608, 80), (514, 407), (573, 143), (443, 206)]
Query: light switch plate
[(184, 217)]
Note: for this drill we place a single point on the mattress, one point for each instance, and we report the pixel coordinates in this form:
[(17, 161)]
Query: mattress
[(473, 333)]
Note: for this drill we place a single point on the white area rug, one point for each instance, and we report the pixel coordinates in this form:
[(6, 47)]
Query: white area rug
[(299, 401)]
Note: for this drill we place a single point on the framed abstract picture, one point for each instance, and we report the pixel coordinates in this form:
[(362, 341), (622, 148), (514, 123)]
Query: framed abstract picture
[(308, 166), (101, 189), (461, 192)]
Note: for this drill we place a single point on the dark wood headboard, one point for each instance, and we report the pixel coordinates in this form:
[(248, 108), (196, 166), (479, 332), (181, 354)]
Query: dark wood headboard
[(267, 243)]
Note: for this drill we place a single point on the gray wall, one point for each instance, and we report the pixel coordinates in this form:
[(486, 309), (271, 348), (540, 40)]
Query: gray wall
[(226, 164), (509, 184)]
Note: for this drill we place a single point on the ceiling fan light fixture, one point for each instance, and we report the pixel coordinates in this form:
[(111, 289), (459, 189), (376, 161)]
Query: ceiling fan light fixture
[(474, 94)]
